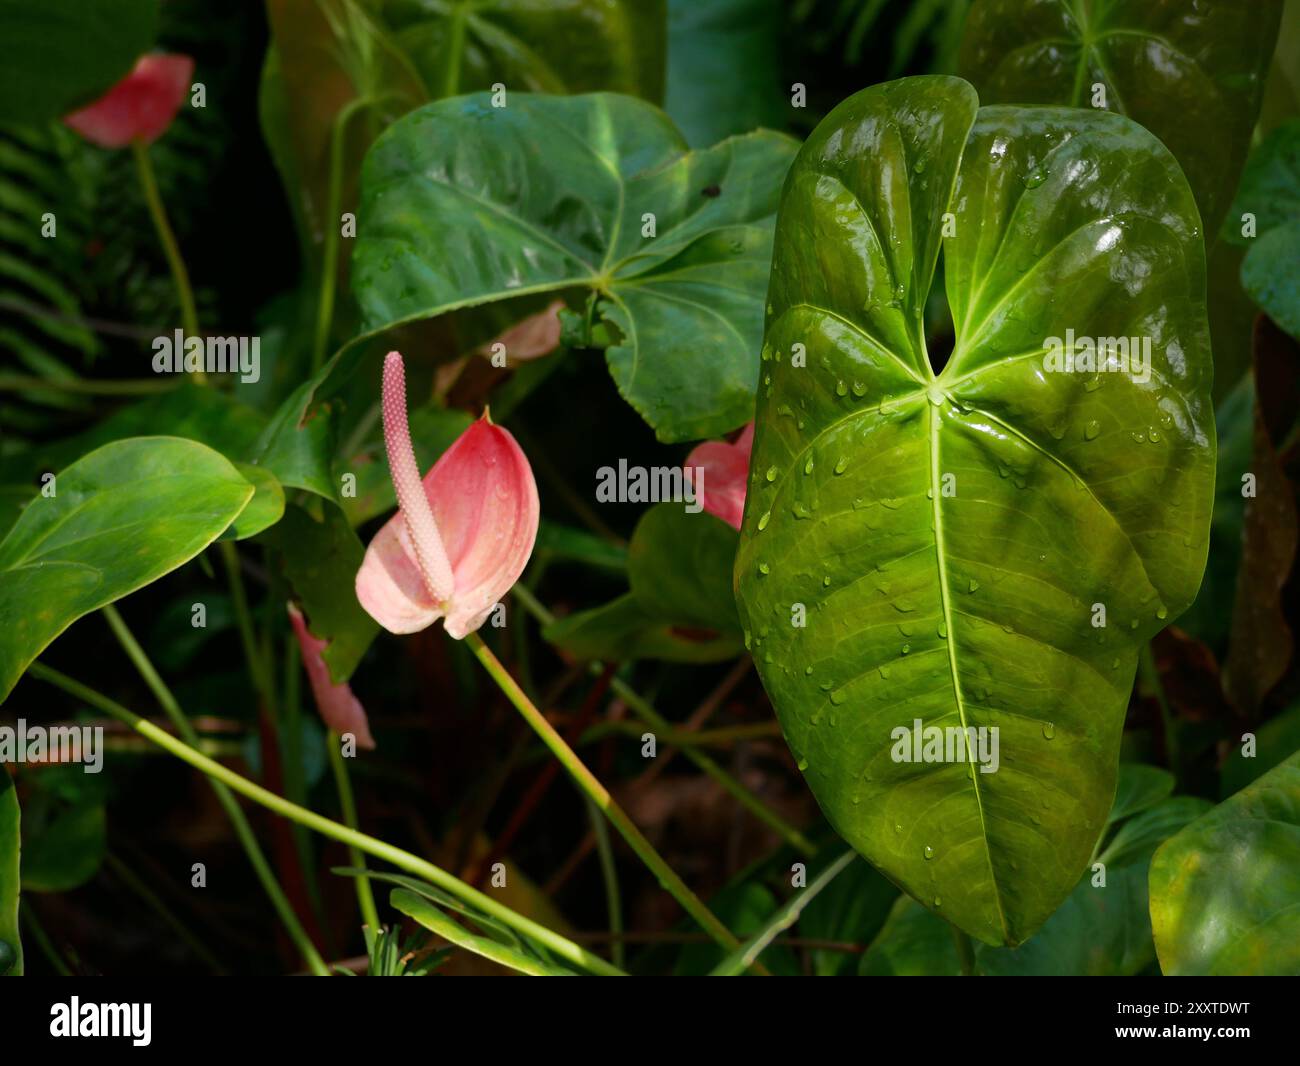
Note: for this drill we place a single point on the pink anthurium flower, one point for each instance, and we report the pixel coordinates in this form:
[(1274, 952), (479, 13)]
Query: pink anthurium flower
[(140, 107), (462, 535), (725, 475), (339, 709)]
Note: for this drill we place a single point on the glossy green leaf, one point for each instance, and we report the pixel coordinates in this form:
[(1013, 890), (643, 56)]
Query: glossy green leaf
[(949, 536), (1225, 891), (121, 517), (724, 68), (572, 218), (680, 607), (321, 560), (58, 55), (11, 948), (191, 411), (1193, 74)]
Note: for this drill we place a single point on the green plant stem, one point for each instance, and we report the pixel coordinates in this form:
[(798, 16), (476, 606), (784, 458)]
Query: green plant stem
[(330, 256), (646, 712), (403, 860), (965, 952), (455, 49), (244, 622), (238, 820), (348, 804), (180, 276), (609, 874), (599, 795), (782, 920)]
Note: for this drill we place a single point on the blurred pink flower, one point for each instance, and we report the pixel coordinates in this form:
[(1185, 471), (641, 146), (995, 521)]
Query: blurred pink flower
[(339, 709), (140, 107), (462, 535), (726, 474)]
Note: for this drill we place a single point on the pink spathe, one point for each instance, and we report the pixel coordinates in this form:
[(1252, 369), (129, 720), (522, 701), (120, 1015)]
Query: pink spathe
[(726, 474), (339, 709), (140, 107), (462, 535)]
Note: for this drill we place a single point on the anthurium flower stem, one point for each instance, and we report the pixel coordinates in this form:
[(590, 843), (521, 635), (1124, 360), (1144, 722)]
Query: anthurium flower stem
[(560, 946), (330, 257), (180, 276), (233, 811), (600, 796), (365, 897), (643, 710)]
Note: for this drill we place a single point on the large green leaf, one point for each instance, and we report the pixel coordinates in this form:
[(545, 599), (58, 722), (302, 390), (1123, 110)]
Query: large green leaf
[(1102, 929), (121, 517), (1191, 73), (11, 948), (950, 535), (190, 411), (56, 55), (686, 304), (339, 71), (1225, 891)]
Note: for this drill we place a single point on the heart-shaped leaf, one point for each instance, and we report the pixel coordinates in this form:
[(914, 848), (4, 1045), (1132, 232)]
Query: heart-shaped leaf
[(987, 547), (1224, 889), (460, 207), (1193, 74), (118, 519)]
